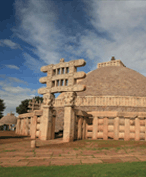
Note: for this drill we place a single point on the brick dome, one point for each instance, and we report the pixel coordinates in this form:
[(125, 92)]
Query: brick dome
[(114, 81)]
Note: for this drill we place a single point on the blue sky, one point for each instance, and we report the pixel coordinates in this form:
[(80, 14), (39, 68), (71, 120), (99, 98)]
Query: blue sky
[(35, 33)]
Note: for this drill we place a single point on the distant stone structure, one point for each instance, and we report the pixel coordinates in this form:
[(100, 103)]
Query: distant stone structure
[(34, 105), (112, 105)]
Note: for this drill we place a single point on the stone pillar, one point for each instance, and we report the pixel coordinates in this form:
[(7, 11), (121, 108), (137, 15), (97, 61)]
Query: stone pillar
[(21, 131), (24, 126), (69, 117), (33, 127), (116, 128), (127, 129), (137, 129), (18, 126), (75, 127), (73, 124), (46, 124), (105, 128), (80, 121), (95, 127), (46, 118), (27, 124), (84, 128)]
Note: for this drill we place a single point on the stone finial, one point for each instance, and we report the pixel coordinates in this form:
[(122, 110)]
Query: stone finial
[(113, 58), (62, 60), (33, 105)]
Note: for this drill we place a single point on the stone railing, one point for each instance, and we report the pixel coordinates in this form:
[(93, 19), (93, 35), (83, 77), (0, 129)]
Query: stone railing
[(111, 63), (130, 101), (81, 122), (26, 122), (117, 125)]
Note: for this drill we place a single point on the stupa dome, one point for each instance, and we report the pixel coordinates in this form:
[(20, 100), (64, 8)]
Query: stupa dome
[(114, 81)]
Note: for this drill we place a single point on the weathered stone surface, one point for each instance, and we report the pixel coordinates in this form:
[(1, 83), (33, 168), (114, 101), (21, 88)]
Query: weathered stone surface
[(114, 98), (62, 77)]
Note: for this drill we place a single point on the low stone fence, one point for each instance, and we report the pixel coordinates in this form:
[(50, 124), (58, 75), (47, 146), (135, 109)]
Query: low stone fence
[(29, 123), (82, 121), (117, 125), (91, 125)]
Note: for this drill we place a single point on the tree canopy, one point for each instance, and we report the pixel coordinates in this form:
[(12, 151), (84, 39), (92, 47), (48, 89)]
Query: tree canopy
[(23, 107), (2, 107)]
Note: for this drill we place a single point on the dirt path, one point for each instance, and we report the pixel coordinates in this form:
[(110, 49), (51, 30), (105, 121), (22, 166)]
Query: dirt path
[(15, 151)]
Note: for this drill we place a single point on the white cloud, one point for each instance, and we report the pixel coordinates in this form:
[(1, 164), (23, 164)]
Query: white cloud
[(117, 28), (123, 23), (14, 79), (12, 66), (13, 96), (12, 101), (10, 80), (9, 43), (38, 29), (18, 90)]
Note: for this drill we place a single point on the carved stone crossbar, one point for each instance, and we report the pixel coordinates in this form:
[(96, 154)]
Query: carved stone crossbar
[(34, 105), (62, 77)]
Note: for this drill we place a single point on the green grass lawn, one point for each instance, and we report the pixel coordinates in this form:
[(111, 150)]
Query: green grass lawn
[(134, 169)]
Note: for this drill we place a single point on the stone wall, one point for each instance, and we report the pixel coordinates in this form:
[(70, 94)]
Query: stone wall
[(100, 103), (59, 122), (126, 101)]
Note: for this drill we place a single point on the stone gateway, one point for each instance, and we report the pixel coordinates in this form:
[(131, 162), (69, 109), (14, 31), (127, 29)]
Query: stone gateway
[(107, 103)]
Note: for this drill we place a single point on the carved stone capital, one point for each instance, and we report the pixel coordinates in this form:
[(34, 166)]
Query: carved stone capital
[(48, 99), (69, 98)]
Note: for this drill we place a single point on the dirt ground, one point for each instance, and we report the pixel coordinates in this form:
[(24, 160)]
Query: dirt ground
[(11, 137), (15, 150)]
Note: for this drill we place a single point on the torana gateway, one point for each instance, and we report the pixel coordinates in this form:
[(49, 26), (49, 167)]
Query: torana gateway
[(107, 103)]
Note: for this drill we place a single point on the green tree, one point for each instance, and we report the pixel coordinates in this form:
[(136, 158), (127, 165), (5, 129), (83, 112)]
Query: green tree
[(39, 98), (23, 107), (2, 107)]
